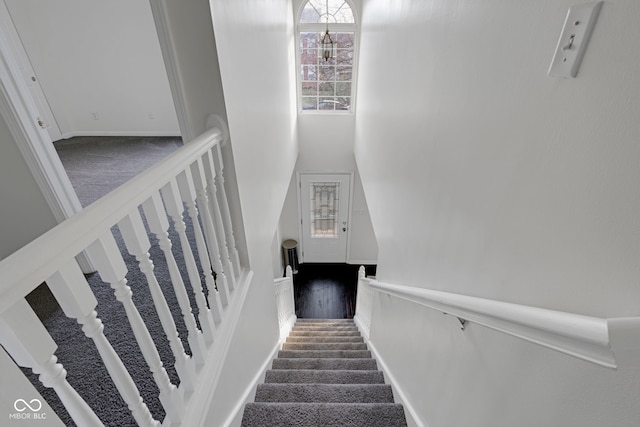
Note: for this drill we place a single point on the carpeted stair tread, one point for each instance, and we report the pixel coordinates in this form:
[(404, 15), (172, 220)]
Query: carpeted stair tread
[(325, 328), (358, 354), (325, 376), (324, 333), (326, 363), (323, 346), (323, 415), (327, 338), (336, 393), (325, 321)]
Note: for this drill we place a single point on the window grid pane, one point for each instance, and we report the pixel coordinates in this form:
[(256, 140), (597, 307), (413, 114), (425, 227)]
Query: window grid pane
[(315, 11), (332, 92)]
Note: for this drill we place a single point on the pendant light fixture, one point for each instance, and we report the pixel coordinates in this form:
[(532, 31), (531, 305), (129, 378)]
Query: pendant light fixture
[(327, 45)]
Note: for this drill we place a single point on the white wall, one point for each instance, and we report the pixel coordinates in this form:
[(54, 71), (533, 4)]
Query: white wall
[(259, 92), (485, 176), (326, 145), (24, 211), (98, 57)]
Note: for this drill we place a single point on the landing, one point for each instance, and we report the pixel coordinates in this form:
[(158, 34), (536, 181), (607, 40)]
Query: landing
[(326, 291)]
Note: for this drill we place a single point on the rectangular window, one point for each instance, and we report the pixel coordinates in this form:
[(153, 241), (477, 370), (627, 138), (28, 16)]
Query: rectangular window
[(325, 85)]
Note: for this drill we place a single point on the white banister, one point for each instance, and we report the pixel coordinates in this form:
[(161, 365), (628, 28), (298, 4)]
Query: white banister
[(285, 303), (77, 301), (112, 270), (159, 225), (224, 207), (218, 221), (77, 233), (138, 245), (200, 182), (364, 304), (585, 337), (207, 316), (27, 341), (184, 178), (207, 258)]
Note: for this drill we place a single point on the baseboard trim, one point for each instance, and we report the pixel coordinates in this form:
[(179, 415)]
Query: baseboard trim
[(141, 133), (364, 331), (363, 262), (413, 420), (249, 392)]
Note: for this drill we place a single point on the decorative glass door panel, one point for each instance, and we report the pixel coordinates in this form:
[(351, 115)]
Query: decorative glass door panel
[(324, 209), (325, 202)]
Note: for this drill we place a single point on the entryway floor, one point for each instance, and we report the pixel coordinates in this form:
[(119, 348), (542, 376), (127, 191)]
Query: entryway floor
[(327, 291)]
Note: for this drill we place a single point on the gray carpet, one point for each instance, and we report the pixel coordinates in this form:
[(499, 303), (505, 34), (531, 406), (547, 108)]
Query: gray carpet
[(324, 376), (97, 165)]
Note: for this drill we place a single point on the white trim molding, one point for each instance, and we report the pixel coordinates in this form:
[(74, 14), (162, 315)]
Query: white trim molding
[(413, 419), (34, 143), (138, 133), (168, 49), (584, 337)]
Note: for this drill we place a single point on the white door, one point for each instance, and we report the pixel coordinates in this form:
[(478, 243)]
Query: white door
[(13, 51), (324, 209)]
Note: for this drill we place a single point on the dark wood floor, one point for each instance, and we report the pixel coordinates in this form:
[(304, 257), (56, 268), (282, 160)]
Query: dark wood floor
[(327, 291)]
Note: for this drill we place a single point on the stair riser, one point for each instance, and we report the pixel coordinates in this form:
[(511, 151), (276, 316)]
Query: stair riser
[(284, 376), (326, 364), (327, 393)]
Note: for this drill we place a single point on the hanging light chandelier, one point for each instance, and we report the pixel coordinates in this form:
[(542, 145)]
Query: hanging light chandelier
[(327, 44)]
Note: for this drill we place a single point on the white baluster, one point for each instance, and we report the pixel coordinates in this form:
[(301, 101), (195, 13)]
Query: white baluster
[(77, 301), (188, 193), (112, 269), (138, 245), (224, 207), (159, 225), (214, 206), (200, 184), (207, 316), (31, 346)]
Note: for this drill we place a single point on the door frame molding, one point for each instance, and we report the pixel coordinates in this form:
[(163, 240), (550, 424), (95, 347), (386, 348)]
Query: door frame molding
[(18, 110), (349, 211)]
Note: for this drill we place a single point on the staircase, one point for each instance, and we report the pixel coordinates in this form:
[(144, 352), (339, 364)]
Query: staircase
[(324, 376)]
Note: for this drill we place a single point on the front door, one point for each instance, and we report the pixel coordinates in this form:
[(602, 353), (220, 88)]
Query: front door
[(324, 209)]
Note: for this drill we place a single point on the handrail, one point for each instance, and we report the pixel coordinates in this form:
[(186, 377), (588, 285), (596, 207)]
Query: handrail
[(181, 197), (585, 337), (78, 232)]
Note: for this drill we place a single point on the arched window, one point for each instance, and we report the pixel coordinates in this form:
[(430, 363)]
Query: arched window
[(326, 84)]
